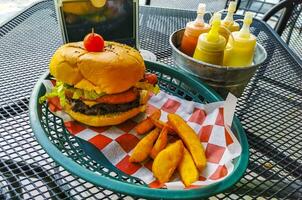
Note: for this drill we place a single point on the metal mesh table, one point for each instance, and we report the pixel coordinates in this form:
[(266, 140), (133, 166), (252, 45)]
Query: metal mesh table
[(270, 110)]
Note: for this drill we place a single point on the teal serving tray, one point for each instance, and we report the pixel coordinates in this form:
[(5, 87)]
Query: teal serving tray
[(87, 162)]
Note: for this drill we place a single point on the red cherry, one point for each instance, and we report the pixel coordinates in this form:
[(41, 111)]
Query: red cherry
[(151, 78), (93, 42)]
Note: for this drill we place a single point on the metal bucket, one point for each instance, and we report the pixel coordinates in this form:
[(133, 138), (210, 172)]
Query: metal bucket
[(223, 79)]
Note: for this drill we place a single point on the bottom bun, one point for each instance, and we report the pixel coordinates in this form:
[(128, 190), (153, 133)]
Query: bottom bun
[(104, 120)]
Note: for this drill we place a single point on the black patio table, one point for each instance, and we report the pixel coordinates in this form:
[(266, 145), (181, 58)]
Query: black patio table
[(270, 110)]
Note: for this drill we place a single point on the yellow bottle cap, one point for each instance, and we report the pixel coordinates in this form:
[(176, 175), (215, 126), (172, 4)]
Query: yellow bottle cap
[(245, 30), (229, 20), (213, 35), (248, 18), (244, 38), (212, 41), (232, 6)]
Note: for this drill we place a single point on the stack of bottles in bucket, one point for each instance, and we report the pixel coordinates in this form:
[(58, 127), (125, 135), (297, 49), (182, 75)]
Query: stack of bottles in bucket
[(222, 42)]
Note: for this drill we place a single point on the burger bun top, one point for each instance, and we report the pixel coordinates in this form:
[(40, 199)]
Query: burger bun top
[(116, 69)]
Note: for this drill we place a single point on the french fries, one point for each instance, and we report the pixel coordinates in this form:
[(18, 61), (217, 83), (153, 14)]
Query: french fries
[(187, 169), (189, 137), (144, 146), (160, 143), (167, 160), (160, 124), (147, 125), (186, 154)]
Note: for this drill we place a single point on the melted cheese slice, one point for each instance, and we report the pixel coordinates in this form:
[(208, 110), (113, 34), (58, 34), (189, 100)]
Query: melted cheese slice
[(90, 103)]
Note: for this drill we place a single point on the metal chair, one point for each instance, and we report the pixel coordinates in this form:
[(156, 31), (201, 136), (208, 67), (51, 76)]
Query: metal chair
[(259, 7), (289, 24), (212, 5)]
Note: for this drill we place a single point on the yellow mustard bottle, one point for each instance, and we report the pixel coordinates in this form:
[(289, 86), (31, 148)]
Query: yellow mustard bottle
[(193, 30), (241, 47), (228, 22), (210, 46)]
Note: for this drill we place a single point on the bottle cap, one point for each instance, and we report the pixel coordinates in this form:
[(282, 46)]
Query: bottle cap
[(212, 41), (248, 18), (200, 13), (228, 21), (245, 30), (232, 6), (213, 34), (201, 8), (216, 19)]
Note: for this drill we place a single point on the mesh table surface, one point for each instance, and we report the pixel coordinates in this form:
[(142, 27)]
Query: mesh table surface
[(293, 31), (270, 110)]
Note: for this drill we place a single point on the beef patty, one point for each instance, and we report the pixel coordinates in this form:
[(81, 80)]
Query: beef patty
[(78, 105)]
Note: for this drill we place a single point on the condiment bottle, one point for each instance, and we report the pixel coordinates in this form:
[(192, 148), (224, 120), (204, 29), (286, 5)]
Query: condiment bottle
[(193, 30), (240, 48), (211, 45), (228, 22)]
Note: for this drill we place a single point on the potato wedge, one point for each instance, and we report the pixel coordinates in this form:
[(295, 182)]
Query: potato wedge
[(160, 143), (146, 125), (190, 138), (187, 169), (144, 146), (167, 160), (160, 124)]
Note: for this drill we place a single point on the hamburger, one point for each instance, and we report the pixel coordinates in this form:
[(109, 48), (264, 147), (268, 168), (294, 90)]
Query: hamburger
[(100, 88)]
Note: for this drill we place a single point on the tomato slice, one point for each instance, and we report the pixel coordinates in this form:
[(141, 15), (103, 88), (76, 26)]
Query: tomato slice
[(151, 78), (124, 97)]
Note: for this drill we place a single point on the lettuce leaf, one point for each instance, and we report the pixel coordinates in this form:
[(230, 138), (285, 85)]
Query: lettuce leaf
[(77, 94), (91, 95), (147, 86), (57, 91)]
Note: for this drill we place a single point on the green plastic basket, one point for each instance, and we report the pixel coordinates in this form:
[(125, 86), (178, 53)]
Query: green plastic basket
[(85, 161)]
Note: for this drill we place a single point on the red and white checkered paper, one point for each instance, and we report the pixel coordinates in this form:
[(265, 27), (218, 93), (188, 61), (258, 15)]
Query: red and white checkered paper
[(210, 121)]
